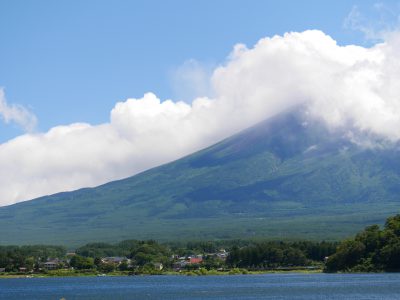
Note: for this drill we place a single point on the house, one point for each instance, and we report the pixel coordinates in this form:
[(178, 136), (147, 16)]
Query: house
[(195, 259), (179, 265), (23, 269), (187, 261), (117, 260), (222, 254), (158, 266), (2, 270), (51, 265)]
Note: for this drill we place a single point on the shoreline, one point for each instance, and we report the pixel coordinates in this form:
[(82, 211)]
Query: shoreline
[(71, 273)]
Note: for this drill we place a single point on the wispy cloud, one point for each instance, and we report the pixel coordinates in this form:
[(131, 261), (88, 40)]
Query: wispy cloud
[(375, 22), (191, 80), (14, 113)]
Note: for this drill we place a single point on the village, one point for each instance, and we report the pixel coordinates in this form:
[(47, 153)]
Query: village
[(135, 257), (109, 264)]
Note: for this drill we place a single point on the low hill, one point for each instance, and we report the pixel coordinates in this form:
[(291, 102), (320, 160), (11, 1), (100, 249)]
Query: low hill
[(281, 179)]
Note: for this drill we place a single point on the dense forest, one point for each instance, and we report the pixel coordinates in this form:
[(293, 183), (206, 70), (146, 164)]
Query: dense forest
[(267, 255), (372, 250)]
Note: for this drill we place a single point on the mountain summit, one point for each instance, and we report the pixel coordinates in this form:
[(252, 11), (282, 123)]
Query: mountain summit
[(284, 178)]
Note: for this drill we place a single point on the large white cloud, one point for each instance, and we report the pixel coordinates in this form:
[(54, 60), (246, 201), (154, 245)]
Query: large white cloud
[(345, 86)]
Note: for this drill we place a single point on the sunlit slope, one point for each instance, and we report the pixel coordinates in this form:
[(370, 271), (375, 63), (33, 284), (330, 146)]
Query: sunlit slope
[(283, 178)]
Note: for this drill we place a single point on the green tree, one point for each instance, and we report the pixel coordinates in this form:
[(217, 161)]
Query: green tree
[(390, 255), (82, 263)]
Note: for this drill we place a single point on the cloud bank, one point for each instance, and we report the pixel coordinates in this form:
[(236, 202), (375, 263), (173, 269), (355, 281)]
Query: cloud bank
[(344, 86)]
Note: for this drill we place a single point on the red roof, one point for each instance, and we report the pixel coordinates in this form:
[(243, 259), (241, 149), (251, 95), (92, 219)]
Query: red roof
[(195, 260)]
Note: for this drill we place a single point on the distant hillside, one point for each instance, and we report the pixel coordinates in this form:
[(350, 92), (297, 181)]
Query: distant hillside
[(281, 179)]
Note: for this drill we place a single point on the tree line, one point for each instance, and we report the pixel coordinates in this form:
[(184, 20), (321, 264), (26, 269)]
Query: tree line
[(144, 254), (267, 255), (14, 257), (372, 250)]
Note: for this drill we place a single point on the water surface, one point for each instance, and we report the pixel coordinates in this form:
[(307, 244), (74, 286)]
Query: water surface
[(267, 286)]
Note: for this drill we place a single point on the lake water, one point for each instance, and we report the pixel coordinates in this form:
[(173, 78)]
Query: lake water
[(267, 286)]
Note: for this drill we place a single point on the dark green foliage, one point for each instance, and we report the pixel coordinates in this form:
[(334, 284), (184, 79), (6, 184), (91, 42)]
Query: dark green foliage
[(82, 263), (349, 254), (123, 266), (371, 250), (97, 261), (202, 246), (148, 252), (14, 257), (143, 256), (101, 250), (278, 254), (212, 263), (393, 224), (316, 250), (141, 252), (106, 268), (281, 179)]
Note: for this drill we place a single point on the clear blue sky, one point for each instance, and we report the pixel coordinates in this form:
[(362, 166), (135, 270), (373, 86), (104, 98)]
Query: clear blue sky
[(71, 61)]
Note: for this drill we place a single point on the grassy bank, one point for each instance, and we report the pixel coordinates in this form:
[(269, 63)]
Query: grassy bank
[(199, 272)]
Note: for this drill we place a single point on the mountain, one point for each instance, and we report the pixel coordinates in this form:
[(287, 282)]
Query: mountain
[(281, 179)]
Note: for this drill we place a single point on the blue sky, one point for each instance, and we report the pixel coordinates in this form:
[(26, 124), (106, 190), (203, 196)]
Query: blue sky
[(71, 61)]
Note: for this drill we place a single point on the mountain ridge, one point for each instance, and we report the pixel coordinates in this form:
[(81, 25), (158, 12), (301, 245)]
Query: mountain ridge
[(283, 178)]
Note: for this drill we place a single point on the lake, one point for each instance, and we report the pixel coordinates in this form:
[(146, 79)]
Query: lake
[(266, 286)]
